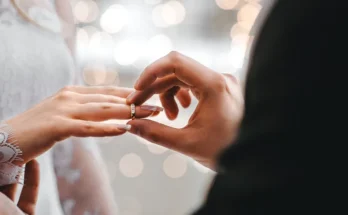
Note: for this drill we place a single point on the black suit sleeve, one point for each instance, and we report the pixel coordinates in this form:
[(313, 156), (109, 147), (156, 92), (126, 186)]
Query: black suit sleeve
[(291, 113)]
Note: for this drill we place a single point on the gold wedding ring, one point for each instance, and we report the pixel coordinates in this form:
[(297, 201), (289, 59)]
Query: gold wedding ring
[(132, 106)]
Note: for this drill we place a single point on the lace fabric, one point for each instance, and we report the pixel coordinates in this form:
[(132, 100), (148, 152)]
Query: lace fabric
[(9, 152)]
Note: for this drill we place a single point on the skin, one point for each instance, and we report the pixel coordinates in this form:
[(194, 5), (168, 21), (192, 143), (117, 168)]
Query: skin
[(92, 191), (215, 121), (28, 198), (73, 111)]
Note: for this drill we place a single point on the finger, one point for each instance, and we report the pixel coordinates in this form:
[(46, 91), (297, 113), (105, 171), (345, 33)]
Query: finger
[(159, 86), (9, 191), (186, 70), (105, 111), (183, 95), (158, 133), (99, 98), (106, 90), (30, 191), (80, 128), (169, 104)]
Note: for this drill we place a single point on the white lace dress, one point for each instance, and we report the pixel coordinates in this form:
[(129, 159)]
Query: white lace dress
[(34, 64)]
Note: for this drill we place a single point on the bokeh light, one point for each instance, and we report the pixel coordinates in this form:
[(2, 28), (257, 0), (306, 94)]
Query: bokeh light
[(97, 74), (168, 14), (253, 1), (90, 29), (247, 15), (127, 36), (237, 54), (238, 29), (99, 38), (227, 4), (82, 36), (175, 166), (158, 46), (127, 51), (152, 2), (131, 165), (81, 11), (240, 39), (176, 12), (114, 19), (86, 11)]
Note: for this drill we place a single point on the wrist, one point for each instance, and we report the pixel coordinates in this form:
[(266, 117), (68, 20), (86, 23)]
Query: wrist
[(10, 151), (29, 137), (11, 170)]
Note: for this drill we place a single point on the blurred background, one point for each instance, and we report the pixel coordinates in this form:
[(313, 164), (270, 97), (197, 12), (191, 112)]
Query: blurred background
[(116, 40)]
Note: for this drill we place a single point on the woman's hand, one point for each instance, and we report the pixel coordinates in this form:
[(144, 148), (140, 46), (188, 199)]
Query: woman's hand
[(28, 198), (73, 111), (215, 121)]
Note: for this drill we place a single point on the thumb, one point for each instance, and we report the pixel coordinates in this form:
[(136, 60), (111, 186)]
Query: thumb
[(28, 198), (158, 133)]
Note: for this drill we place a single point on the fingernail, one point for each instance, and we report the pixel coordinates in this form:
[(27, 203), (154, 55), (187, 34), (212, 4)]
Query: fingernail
[(131, 96), (134, 130), (155, 113), (151, 108), (124, 127)]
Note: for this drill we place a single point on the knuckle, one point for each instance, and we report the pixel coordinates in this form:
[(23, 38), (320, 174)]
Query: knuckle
[(64, 95), (110, 99), (67, 88), (105, 106), (219, 83), (87, 127), (110, 90), (175, 57)]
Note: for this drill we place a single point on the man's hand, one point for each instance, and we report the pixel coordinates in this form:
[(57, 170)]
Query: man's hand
[(215, 121)]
